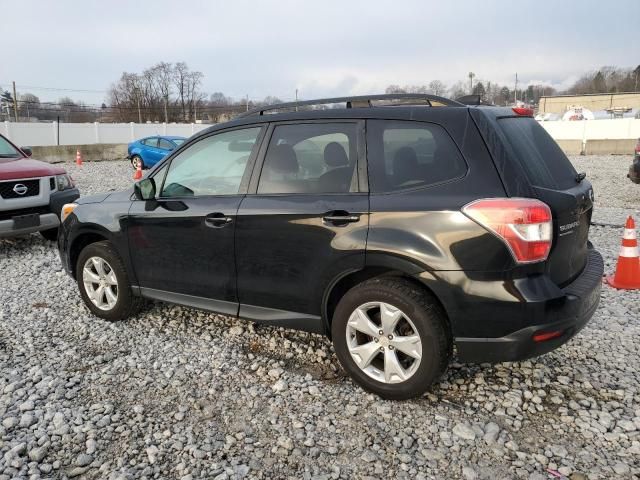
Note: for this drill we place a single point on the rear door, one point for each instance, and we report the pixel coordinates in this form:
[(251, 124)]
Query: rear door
[(303, 222), (553, 180)]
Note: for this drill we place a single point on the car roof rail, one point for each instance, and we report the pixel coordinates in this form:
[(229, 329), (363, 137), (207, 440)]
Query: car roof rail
[(359, 102)]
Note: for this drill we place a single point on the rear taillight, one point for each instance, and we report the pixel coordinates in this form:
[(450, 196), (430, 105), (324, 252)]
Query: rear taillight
[(638, 146), (524, 112), (524, 224)]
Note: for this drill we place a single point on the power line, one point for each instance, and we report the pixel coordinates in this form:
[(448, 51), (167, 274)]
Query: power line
[(55, 89)]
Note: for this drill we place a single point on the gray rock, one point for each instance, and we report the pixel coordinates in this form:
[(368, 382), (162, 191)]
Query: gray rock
[(83, 460), (464, 431)]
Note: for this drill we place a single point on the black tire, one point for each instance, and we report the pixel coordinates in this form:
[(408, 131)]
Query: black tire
[(137, 158), (51, 234), (127, 304), (429, 320)]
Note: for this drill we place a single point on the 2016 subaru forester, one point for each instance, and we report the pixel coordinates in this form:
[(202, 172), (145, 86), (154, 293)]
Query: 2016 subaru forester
[(400, 226)]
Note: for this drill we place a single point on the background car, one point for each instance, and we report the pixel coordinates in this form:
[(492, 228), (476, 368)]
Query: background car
[(146, 152), (32, 193), (634, 169)]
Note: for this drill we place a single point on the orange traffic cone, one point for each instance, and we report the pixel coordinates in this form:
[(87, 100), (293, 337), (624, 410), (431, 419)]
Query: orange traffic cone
[(138, 174), (78, 158), (627, 276)]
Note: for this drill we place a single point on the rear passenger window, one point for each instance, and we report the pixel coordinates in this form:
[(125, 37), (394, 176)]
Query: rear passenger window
[(404, 155), (310, 158)]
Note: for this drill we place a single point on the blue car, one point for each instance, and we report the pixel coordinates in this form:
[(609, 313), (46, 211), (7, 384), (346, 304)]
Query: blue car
[(148, 151)]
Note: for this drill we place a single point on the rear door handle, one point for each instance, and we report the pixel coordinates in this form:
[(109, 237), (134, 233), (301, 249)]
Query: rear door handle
[(217, 220), (340, 217)]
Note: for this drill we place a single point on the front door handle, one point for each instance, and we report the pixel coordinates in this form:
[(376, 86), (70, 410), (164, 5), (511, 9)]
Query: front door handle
[(340, 217), (217, 220)]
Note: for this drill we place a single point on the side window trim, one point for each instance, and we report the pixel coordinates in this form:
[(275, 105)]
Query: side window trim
[(361, 183), (242, 189)]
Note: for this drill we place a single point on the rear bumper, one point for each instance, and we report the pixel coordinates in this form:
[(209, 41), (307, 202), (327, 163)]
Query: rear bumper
[(581, 299)]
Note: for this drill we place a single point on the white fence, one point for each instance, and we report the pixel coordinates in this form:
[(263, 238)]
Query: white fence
[(45, 134), (606, 129)]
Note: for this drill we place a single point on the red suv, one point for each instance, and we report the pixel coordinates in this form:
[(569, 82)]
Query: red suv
[(32, 193)]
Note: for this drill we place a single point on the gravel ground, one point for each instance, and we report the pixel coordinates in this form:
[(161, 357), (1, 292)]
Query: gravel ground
[(177, 393)]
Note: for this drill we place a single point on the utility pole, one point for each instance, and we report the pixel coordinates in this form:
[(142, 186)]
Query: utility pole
[(247, 102), (296, 99), (515, 91), (15, 102), (137, 90), (471, 75)]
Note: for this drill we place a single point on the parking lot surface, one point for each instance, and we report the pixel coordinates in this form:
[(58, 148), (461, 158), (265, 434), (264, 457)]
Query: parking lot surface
[(179, 393)]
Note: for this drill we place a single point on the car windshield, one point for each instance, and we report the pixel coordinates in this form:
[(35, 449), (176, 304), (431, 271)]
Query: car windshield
[(178, 141), (7, 150)]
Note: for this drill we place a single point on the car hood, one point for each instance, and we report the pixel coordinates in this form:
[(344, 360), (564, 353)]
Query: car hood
[(119, 196), (18, 168)]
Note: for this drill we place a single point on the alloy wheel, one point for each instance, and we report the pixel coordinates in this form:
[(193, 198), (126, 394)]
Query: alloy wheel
[(383, 342), (100, 283)]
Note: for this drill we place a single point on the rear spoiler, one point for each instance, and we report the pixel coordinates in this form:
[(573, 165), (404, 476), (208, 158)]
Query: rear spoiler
[(474, 100)]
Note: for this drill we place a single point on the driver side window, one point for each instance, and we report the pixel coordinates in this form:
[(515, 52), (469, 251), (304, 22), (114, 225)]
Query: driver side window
[(214, 165)]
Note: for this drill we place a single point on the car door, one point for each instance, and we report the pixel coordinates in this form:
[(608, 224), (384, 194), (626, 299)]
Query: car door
[(304, 222), (182, 242), (165, 147), (150, 154)]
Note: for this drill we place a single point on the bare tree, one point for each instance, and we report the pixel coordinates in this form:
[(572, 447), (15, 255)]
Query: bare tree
[(437, 87), (163, 78)]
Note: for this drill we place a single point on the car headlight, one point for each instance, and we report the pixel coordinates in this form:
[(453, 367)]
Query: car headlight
[(64, 182), (67, 209)]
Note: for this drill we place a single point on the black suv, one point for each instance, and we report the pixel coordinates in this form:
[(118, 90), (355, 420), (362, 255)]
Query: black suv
[(400, 226)]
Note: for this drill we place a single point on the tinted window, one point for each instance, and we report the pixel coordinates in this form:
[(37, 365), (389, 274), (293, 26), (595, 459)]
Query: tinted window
[(310, 158), (405, 155), (6, 149), (151, 142), (165, 144), (212, 166), (539, 155)]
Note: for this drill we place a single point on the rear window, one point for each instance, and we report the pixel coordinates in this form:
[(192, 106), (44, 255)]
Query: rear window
[(541, 158)]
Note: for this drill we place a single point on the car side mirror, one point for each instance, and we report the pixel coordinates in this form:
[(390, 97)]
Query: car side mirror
[(145, 189), (27, 151)]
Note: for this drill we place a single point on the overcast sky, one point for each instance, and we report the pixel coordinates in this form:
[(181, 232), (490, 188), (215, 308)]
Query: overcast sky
[(322, 47)]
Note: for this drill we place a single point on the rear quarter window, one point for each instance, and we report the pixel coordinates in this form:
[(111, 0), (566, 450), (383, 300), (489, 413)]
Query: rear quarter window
[(538, 154), (405, 155)]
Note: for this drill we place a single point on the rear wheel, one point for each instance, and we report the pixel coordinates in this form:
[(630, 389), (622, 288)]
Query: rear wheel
[(104, 284), (391, 337), (136, 161)]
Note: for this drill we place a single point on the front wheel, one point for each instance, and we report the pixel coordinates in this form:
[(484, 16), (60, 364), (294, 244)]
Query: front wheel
[(391, 337), (136, 161), (104, 284)]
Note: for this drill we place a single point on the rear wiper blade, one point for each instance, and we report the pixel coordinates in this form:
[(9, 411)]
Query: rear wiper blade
[(580, 176)]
